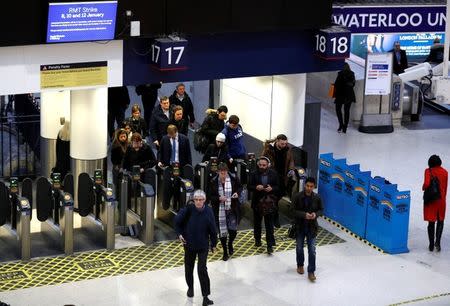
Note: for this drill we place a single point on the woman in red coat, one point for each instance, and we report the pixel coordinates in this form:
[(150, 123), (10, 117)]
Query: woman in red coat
[(435, 210)]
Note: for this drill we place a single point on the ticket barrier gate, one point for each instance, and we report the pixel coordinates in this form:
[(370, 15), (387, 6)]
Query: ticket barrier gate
[(175, 188), (54, 208), (96, 205), (137, 205), (298, 182), (204, 172), (243, 170), (15, 217)]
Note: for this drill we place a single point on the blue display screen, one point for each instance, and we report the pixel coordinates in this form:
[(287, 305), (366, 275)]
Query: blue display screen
[(81, 21)]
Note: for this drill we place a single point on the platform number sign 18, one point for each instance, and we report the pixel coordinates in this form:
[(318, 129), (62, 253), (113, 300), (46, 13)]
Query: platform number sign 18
[(167, 54), (332, 43)]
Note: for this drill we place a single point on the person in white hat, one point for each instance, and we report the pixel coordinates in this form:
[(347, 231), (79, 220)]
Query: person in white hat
[(218, 149)]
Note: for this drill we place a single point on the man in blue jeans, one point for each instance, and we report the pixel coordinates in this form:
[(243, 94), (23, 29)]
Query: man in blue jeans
[(306, 208)]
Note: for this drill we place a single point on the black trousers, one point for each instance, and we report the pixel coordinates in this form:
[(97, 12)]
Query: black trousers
[(343, 123), (202, 270), (268, 222), (117, 116)]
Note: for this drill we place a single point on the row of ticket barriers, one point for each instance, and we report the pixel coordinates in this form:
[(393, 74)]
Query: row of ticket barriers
[(128, 209)]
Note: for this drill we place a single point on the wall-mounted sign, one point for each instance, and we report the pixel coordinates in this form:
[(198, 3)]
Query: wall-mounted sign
[(391, 19), (74, 75), (378, 74), (81, 21), (332, 43), (169, 54)]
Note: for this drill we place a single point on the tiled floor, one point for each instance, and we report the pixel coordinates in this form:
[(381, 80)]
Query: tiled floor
[(349, 273)]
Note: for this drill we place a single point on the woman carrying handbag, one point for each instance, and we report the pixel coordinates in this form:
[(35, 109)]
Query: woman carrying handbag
[(434, 206)]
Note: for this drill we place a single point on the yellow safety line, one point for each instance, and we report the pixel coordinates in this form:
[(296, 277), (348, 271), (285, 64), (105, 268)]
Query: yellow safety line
[(422, 299)]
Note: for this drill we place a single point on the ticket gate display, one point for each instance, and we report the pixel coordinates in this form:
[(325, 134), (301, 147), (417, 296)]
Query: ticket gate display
[(137, 205), (15, 217), (175, 187), (296, 182), (96, 204), (54, 209)]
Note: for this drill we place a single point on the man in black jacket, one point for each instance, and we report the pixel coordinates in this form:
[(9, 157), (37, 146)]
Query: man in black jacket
[(263, 182), (306, 208), (196, 228), (214, 123), (180, 97), (149, 95), (160, 120), (118, 102), (399, 58), (139, 153)]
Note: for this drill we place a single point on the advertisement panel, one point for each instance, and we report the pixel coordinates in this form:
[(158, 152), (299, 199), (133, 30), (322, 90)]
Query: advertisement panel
[(378, 74)]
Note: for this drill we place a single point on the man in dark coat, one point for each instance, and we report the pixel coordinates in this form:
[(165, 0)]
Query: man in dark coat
[(174, 140), (344, 96), (306, 208), (399, 58), (263, 182), (149, 95), (180, 97), (160, 120), (196, 229), (118, 102), (139, 153), (214, 123)]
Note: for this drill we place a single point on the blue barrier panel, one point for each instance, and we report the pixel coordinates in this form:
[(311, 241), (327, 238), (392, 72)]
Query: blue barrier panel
[(373, 210), (325, 184), (346, 196), (337, 179), (356, 191)]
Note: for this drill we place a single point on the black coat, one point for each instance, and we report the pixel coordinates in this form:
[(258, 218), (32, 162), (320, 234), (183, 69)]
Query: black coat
[(220, 152), (181, 125), (255, 179), (117, 155), (118, 99), (145, 158), (184, 154), (62, 157), (399, 67), (212, 126), (186, 104), (158, 124), (214, 196), (343, 85), (149, 93), (299, 210), (138, 126)]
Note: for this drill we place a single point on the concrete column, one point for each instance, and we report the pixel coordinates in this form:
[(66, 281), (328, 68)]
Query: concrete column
[(88, 132), (54, 106)]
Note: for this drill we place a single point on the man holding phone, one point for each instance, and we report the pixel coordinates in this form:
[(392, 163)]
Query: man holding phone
[(196, 229)]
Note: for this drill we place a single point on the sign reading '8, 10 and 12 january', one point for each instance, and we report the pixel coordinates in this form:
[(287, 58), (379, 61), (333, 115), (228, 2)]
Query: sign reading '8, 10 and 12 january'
[(332, 43)]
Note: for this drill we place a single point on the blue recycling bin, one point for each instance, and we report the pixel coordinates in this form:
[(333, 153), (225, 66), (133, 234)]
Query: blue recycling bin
[(388, 217), (326, 189)]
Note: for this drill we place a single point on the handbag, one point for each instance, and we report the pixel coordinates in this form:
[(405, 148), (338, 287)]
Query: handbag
[(292, 231), (267, 204), (200, 141), (332, 91), (432, 192)]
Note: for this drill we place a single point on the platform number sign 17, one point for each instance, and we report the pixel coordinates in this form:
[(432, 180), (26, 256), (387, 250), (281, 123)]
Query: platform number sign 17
[(332, 43), (167, 54)]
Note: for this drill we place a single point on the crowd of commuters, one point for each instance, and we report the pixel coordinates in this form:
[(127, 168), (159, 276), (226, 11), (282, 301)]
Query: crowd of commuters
[(215, 215)]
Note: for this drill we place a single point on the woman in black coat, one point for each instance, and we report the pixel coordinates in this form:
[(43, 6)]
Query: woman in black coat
[(344, 95), (224, 199)]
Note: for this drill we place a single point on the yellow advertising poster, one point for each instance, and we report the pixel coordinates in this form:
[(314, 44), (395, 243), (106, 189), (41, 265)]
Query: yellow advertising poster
[(74, 75)]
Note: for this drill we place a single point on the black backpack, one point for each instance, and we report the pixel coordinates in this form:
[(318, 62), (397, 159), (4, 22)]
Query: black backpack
[(432, 192)]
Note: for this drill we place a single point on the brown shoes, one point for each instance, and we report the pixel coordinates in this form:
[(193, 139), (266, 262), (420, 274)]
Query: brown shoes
[(311, 276), (300, 270)]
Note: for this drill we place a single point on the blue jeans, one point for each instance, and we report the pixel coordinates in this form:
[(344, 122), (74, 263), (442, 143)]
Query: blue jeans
[(311, 242)]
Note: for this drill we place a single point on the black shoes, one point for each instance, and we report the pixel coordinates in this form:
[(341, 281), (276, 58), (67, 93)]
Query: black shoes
[(257, 244), (431, 247), (269, 250), (225, 257), (230, 249), (207, 301), (438, 247), (190, 292)]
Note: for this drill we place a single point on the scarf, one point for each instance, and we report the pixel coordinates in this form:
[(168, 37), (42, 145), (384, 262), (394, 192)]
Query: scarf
[(224, 190)]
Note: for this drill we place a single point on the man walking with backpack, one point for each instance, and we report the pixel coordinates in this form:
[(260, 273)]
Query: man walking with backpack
[(196, 229)]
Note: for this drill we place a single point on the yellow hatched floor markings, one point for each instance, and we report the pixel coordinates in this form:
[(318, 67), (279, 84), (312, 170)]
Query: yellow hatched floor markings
[(98, 264)]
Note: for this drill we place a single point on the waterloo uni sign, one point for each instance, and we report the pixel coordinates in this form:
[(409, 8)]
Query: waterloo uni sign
[(391, 19)]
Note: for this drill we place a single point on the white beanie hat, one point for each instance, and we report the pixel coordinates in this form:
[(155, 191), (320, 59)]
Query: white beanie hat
[(220, 137)]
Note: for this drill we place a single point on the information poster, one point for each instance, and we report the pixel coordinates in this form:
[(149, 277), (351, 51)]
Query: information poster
[(74, 75), (378, 74)]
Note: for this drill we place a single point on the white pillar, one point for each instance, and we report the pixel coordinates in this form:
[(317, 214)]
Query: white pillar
[(88, 132), (54, 105)]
